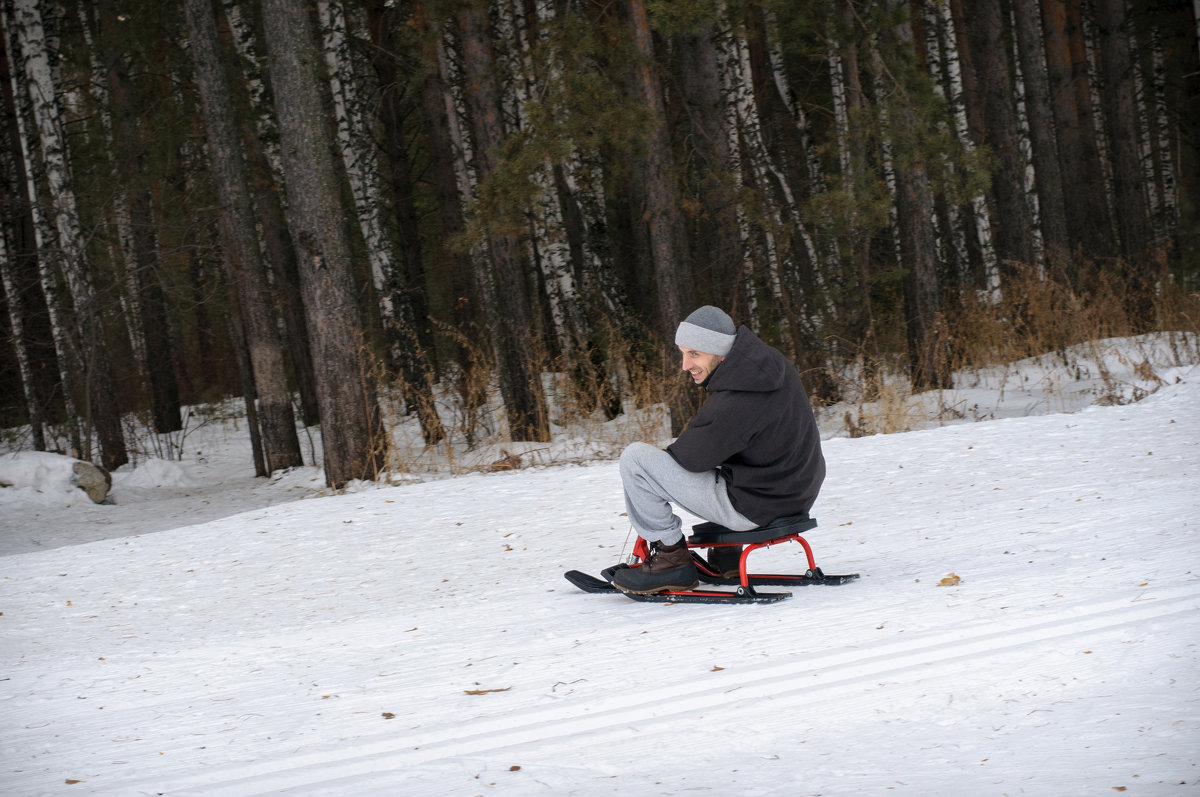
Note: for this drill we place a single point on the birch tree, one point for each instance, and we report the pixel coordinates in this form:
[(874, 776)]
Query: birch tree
[(991, 69), (355, 91), (25, 22)]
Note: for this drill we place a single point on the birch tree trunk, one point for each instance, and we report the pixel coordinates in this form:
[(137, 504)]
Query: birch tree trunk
[(395, 265), (511, 321), (247, 274), (352, 436), (989, 62), (102, 409)]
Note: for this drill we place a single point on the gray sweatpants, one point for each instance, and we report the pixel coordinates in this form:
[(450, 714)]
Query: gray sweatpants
[(653, 480)]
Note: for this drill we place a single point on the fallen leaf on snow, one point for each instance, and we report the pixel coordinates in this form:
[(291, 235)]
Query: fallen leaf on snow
[(949, 581)]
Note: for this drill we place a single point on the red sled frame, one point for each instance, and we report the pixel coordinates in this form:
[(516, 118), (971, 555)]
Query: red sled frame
[(782, 530)]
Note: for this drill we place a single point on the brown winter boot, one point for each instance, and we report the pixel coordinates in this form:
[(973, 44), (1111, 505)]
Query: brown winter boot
[(669, 567), (726, 560)]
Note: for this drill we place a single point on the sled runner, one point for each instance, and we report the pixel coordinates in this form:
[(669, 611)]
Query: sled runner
[(713, 535)]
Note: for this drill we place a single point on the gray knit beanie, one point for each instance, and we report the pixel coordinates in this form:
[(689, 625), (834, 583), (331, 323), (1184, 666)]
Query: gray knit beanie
[(709, 330)]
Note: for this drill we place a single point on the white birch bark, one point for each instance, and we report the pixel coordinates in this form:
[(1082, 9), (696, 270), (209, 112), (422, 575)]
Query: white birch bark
[(363, 168), (464, 166), (547, 246), (816, 174), (66, 354), (1026, 148), (1154, 132), (130, 309), (778, 197), (48, 119), (982, 222), (252, 68)]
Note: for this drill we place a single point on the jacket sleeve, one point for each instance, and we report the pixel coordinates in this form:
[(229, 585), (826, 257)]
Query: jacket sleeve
[(711, 439)]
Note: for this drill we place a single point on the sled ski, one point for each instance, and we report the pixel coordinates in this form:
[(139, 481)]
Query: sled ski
[(713, 535), (592, 584)]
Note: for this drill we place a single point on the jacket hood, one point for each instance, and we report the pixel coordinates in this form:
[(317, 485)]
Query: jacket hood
[(751, 366)]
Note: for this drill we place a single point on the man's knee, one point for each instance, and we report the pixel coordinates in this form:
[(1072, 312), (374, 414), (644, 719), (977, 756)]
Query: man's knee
[(633, 457)]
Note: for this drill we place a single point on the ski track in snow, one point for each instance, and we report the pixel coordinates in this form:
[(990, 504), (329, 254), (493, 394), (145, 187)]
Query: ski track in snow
[(262, 653)]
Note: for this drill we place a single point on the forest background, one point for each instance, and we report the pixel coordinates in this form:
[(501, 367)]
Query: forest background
[(333, 208)]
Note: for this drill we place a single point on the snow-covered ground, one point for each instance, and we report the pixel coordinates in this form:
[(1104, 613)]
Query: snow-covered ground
[(212, 633)]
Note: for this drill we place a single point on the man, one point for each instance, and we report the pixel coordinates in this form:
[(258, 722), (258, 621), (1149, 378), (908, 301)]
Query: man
[(752, 453)]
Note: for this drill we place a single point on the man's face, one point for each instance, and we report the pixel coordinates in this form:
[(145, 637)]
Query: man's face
[(699, 364)]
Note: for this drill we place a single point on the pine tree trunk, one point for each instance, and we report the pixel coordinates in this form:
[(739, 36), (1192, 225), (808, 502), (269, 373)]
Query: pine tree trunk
[(281, 446), (156, 345), (12, 300), (667, 250), (451, 261), (1121, 126), (102, 409), (520, 373), (1089, 226), (1179, 36), (918, 256), (261, 152), (1047, 174), (718, 251), (351, 429)]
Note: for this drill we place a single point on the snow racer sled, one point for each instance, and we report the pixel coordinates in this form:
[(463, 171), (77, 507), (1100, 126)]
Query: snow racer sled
[(713, 535)]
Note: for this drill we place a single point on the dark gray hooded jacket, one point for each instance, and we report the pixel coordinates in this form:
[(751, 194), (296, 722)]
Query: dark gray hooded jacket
[(757, 427)]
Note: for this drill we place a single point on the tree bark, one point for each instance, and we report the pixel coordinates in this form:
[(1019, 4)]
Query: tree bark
[(366, 98), (352, 435), (520, 372), (672, 282), (1121, 125), (1089, 226), (281, 445), (929, 367), (261, 152), (991, 68), (102, 408), (719, 250), (1052, 209), (156, 348)]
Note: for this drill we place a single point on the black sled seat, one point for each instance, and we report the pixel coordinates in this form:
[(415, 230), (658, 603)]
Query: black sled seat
[(781, 530)]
